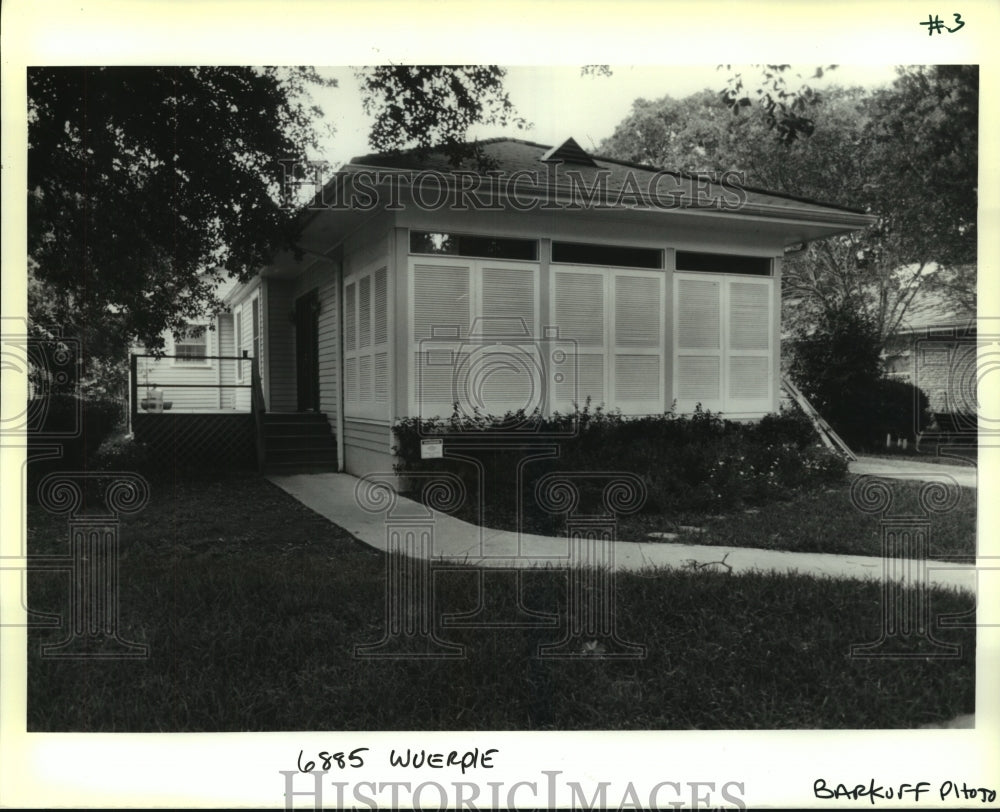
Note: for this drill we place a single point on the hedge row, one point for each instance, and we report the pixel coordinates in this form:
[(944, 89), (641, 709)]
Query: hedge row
[(697, 462)]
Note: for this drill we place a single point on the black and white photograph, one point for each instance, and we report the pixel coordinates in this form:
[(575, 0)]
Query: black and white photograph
[(394, 425)]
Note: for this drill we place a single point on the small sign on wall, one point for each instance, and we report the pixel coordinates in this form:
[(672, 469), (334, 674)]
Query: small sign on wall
[(431, 449)]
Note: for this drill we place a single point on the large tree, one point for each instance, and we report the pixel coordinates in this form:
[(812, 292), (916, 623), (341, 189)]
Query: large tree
[(906, 153), (146, 184), (689, 134)]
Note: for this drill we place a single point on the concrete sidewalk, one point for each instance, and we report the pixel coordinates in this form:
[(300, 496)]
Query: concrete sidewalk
[(334, 497), (964, 475)]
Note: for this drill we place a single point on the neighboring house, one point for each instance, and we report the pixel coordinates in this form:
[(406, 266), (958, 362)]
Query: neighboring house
[(935, 349), (551, 277), (190, 374)]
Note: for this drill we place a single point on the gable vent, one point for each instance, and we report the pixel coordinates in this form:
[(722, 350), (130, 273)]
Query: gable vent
[(569, 152)]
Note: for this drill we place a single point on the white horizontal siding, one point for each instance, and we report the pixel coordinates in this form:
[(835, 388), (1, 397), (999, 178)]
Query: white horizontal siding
[(367, 436)]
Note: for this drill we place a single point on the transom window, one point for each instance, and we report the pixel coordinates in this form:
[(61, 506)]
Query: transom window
[(472, 245), (701, 262), (618, 256)]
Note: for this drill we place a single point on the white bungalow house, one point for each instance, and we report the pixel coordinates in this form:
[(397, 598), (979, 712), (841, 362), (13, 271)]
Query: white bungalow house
[(528, 277)]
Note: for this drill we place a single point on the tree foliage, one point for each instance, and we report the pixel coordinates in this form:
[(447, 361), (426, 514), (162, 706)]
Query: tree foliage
[(907, 153), (690, 134), (785, 110), (146, 184), (424, 106)]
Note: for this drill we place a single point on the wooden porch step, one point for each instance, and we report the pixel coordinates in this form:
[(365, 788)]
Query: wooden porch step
[(298, 442), (303, 440), (294, 417)]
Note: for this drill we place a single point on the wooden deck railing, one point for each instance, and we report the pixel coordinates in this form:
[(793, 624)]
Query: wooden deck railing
[(213, 429), (258, 408), (163, 384)]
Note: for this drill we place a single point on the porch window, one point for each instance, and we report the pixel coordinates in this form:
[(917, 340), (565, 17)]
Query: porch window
[(620, 256), (702, 262)]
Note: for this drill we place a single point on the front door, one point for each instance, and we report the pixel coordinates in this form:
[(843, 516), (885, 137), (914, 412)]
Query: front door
[(307, 351)]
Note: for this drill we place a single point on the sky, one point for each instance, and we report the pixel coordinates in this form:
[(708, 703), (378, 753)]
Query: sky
[(560, 103)]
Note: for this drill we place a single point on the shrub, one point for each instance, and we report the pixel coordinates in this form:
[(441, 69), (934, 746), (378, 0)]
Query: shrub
[(900, 409), (836, 366), (877, 408), (124, 454), (695, 462), (789, 426), (77, 426)]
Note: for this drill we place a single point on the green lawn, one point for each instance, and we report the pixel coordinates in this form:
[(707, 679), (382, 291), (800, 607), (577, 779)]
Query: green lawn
[(252, 605), (823, 521), (818, 521)]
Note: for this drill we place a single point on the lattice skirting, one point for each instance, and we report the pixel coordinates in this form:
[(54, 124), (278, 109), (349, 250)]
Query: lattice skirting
[(198, 439)]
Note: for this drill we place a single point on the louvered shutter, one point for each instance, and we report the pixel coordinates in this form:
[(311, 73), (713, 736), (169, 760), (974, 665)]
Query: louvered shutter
[(380, 339), (507, 299), (638, 342), (440, 316), (503, 371), (578, 311), (697, 342), (382, 377), (366, 343), (350, 344), (364, 340), (749, 377), (381, 309)]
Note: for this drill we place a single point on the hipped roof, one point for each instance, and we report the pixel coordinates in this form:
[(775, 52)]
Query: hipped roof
[(508, 156)]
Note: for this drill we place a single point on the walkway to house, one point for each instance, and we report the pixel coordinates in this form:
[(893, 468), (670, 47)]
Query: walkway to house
[(902, 468), (334, 496)]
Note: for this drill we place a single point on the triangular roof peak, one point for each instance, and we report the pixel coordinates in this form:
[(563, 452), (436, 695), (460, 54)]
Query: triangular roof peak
[(569, 152)]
